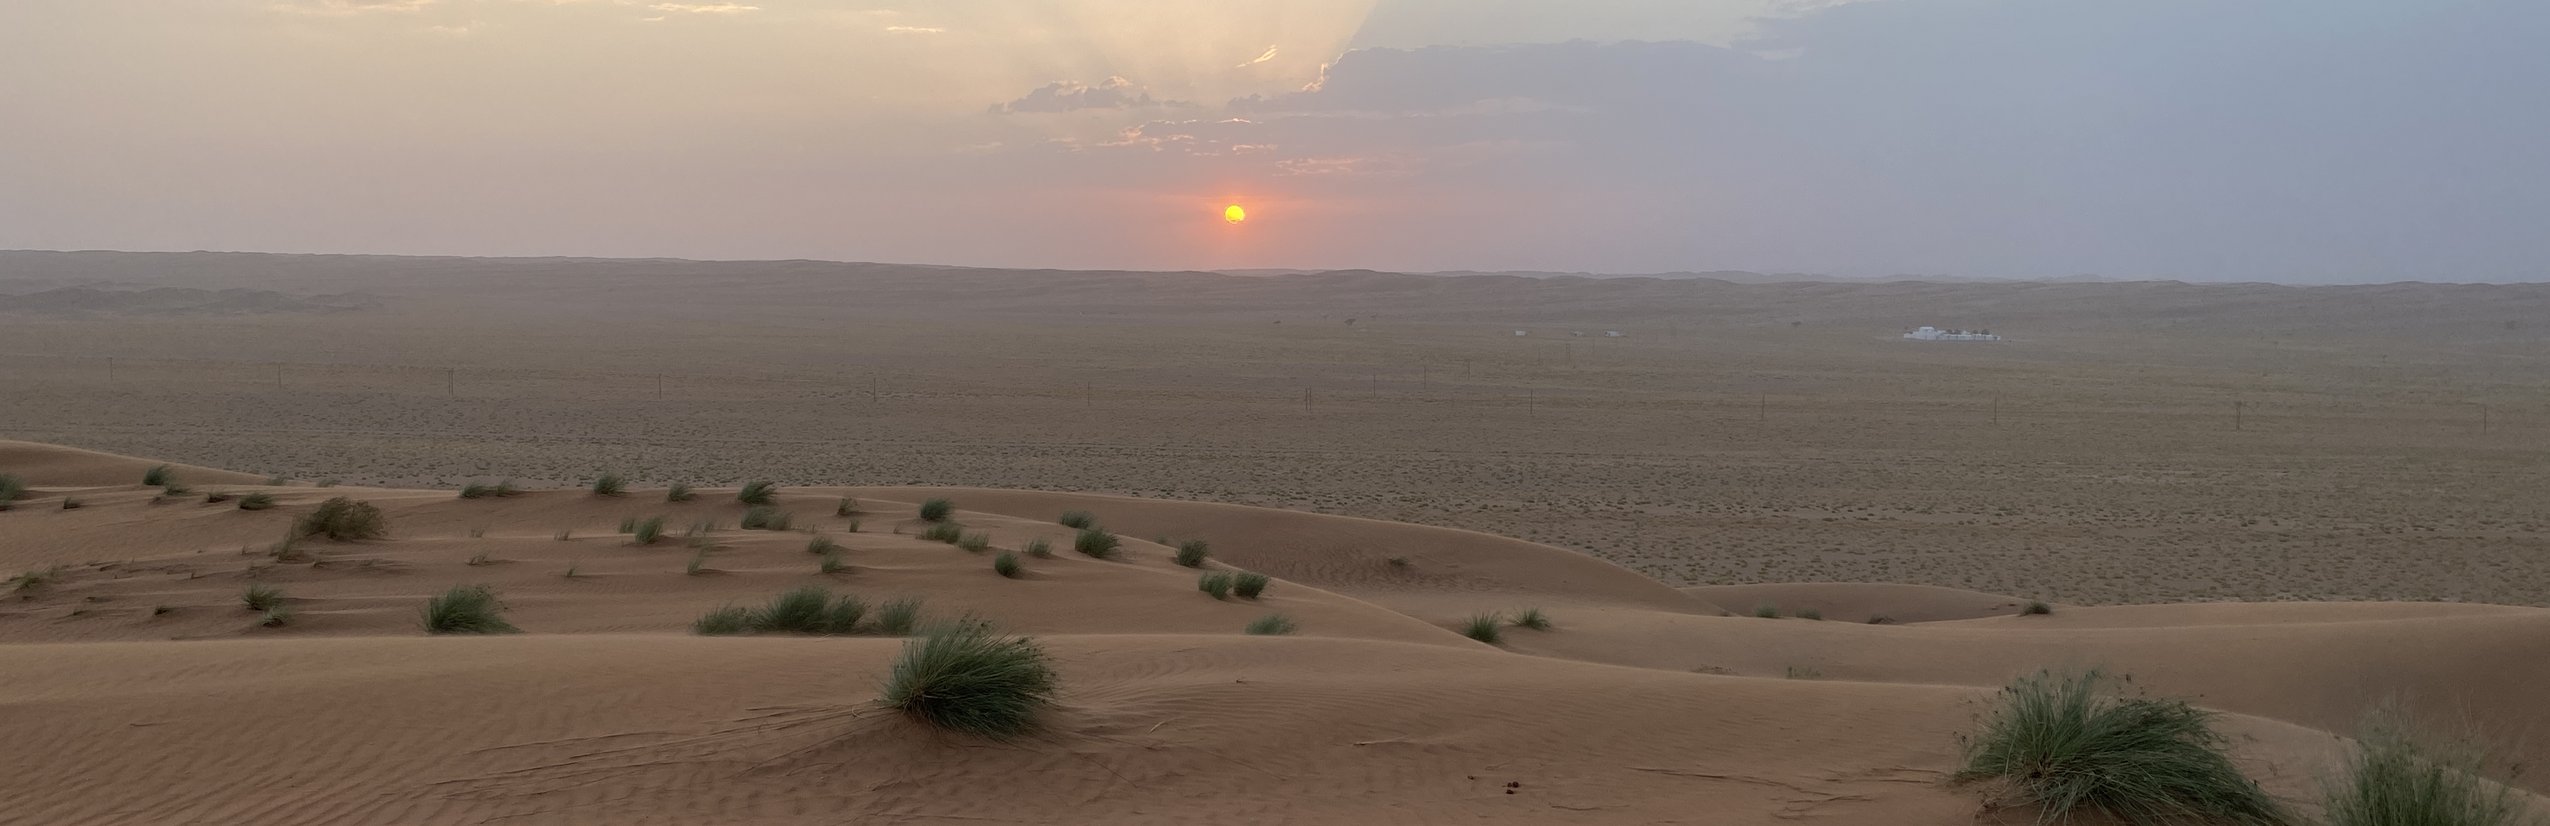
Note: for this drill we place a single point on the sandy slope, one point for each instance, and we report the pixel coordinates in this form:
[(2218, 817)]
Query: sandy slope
[(140, 691)]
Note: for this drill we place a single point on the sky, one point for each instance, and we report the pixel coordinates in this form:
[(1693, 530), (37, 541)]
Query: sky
[(2301, 141)]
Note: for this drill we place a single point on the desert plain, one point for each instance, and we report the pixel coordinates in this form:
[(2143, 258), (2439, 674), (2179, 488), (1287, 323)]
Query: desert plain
[(2288, 505)]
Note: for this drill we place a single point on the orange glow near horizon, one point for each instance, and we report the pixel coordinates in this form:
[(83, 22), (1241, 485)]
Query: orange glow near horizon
[(1234, 214)]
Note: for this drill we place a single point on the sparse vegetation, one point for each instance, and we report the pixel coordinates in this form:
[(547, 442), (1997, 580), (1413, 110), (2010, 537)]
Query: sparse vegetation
[(757, 493), (27, 582), (571, 571), (899, 617), (1767, 611), (610, 484), (1006, 565), (71, 503), (256, 501), (937, 510), (2036, 609), (157, 476), (726, 621), (467, 609), (822, 545), (276, 617), (565, 534), (2393, 778), (1399, 563), (1191, 553), (1271, 625), (698, 564), (1531, 618), (765, 518), (1487, 628), (965, 677), (1810, 613), (948, 532), (1077, 520), (1218, 584), (480, 559), (500, 489), (648, 531), (1881, 619), (175, 489), (344, 520), (1096, 543), (1040, 548), (847, 507), (215, 497), (261, 597), (679, 492), (1247, 585), (11, 490), (833, 563), (1800, 672), (2066, 743), (977, 542)]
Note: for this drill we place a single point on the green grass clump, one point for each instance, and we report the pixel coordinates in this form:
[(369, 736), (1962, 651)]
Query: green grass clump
[(822, 545), (899, 617), (610, 484), (215, 497), (1096, 543), (937, 510), (975, 542), (26, 583), (948, 532), (1800, 672), (158, 476), (965, 677), (727, 621), (806, 610), (1810, 613), (467, 609), (276, 617), (499, 489), (847, 507), (71, 504), (648, 531), (1040, 548), (833, 563), (765, 518), (2065, 743), (698, 564), (262, 597), (679, 492), (1487, 628), (1767, 611), (1271, 625), (11, 489), (2393, 778), (343, 520), (1007, 565), (1532, 618), (1217, 584), (1077, 520), (2036, 609), (256, 501), (1191, 553), (1247, 585), (757, 493)]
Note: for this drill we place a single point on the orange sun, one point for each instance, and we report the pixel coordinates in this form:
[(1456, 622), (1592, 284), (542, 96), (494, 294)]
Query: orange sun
[(1234, 214)]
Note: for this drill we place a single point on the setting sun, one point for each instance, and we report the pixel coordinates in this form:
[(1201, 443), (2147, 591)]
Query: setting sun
[(1234, 214)]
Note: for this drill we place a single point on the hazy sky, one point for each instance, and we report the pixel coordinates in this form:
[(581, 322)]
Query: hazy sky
[(2300, 140)]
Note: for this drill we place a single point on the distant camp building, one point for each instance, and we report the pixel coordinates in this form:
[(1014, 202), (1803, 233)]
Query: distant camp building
[(1936, 334)]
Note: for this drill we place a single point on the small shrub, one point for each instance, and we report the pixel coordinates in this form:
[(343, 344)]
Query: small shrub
[(937, 510), (1810, 613), (847, 507), (964, 677), (1532, 618), (174, 489), (1077, 520), (1767, 611), (215, 497), (844, 616), (899, 617), (288, 550), (343, 520), (467, 609), (679, 492), (757, 493), (1799, 672), (157, 476), (1217, 584), (1096, 543), (499, 489), (1040, 549), (1881, 619), (2036, 609), (11, 489), (1191, 553), (571, 571), (833, 563), (276, 617), (822, 545), (975, 542), (1247, 585), (725, 621), (804, 610), (70, 504), (565, 534), (947, 532), (853, 527), (1271, 625), (698, 564), (1486, 628), (480, 559), (628, 525), (2392, 778), (261, 597), (1006, 565), (26, 583), (2064, 743), (256, 501), (648, 531), (1399, 563), (610, 484), (765, 518)]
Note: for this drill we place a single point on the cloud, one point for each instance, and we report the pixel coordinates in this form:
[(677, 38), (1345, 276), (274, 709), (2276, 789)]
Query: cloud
[(1070, 96), (705, 8), (915, 30), (1262, 57), (352, 7)]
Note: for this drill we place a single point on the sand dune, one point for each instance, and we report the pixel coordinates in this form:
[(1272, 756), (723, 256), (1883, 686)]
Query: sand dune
[(140, 690)]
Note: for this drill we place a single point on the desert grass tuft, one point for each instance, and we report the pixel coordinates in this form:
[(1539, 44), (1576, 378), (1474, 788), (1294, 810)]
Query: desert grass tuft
[(847, 507), (610, 484), (1487, 628), (343, 520), (261, 597), (822, 545), (937, 510), (1191, 553), (1271, 625), (1077, 520), (1247, 585), (2036, 609), (679, 492), (27, 582), (2066, 743), (1881, 619), (256, 501), (1217, 584), (948, 532), (1531, 618), (158, 476), (1007, 565), (1767, 611), (966, 677), (757, 493), (765, 518), (1040, 548), (647, 531), (899, 617), (1810, 613), (215, 497), (467, 609), (276, 617), (1096, 543), (977, 542), (698, 564), (2394, 777), (725, 621), (71, 503), (500, 489), (833, 563), (479, 559), (11, 490)]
